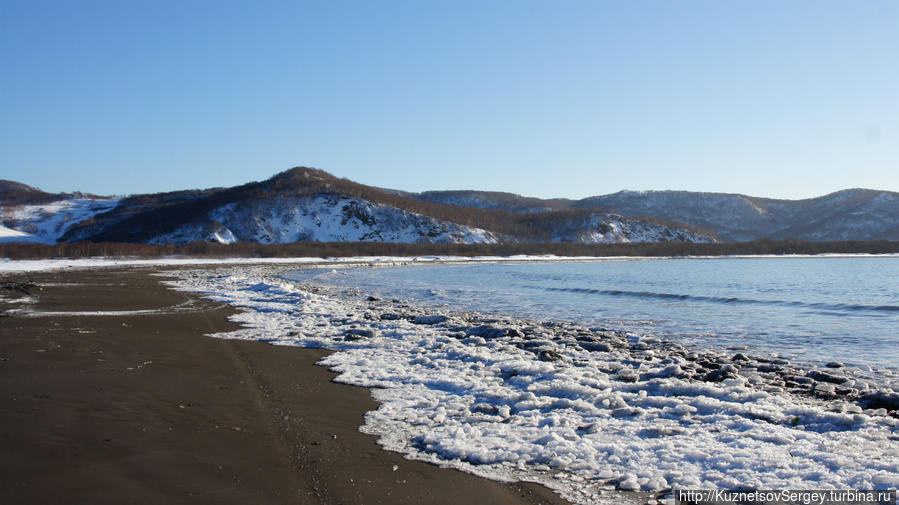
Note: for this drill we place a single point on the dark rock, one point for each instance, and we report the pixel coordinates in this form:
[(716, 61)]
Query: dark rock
[(486, 408), (390, 317), (880, 400), (729, 369), (822, 376), (799, 379), (718, 375), (430, 319), (595, 346), (530, 344), (548, 355), (739, 357), (357, 334), (844, 391), (514, 332), (708, 365), (373, 299), (834, 364), (488, 331)]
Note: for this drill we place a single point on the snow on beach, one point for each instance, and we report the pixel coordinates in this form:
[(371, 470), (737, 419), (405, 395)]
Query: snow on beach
[(579, 410)]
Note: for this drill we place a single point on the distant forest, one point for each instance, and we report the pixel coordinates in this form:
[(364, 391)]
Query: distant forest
[(344, 249)]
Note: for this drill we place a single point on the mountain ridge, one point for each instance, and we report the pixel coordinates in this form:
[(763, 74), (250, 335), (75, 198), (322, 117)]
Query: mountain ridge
[(308, 204), (732, 216)]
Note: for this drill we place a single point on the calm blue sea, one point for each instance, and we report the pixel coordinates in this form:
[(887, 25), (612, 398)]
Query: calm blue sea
[(807, 309)]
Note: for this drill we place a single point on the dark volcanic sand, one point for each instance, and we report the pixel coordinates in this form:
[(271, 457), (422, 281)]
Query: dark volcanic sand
[(145, 409)]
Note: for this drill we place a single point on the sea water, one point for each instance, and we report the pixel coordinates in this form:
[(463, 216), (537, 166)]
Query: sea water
[(808, 309)]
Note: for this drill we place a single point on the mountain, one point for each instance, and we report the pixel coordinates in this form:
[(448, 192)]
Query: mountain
[(28, 214), (853, 214), (296, 205), (305, 204)]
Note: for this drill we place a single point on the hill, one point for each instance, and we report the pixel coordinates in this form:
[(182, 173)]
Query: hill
[(852, 214), (306, 204)]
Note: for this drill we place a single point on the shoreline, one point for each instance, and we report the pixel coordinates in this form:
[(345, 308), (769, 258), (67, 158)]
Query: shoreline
[(650, 406), (102, 409), (13, 266), (681, 407)]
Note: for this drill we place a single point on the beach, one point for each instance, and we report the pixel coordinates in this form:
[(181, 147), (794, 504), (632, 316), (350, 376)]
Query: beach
[(112, 393)]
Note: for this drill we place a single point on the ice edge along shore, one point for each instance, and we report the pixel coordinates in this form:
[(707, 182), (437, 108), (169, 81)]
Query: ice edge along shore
[(580, 410)]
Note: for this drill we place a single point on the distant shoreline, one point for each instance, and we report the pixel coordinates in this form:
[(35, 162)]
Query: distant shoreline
[(12, 265), (208, 250)]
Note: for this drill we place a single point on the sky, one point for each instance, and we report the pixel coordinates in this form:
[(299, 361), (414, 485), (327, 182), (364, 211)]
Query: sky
[(784, 99)]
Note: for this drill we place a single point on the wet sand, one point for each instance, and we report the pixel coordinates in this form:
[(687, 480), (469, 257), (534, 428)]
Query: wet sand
[(143, 408)]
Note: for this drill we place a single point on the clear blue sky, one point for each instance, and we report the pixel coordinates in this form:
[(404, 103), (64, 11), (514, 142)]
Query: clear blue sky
[(556, 98)]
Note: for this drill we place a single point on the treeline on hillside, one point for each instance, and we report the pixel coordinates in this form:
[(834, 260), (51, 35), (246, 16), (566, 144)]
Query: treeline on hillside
[(344, 249), (495, 200)]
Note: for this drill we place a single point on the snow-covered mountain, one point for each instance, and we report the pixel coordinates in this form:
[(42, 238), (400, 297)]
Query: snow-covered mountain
[(603, 228), (321, 218), (853, 214), (296, 205), (47, 222), (304, 204)]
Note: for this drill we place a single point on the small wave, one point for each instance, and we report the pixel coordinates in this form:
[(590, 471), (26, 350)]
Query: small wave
[(839, 307)]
